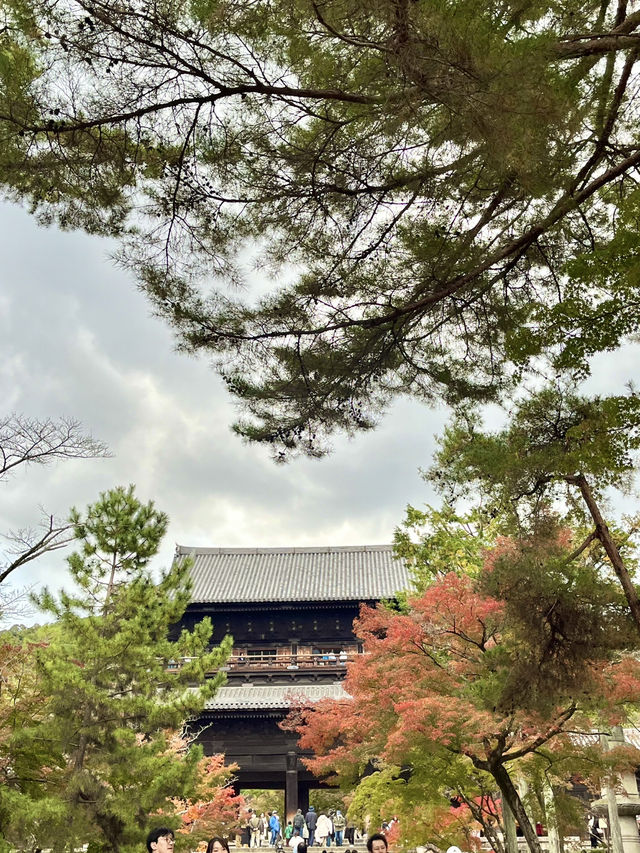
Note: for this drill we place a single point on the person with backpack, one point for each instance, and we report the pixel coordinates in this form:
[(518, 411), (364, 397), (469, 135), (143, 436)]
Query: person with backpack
[(298, 821)]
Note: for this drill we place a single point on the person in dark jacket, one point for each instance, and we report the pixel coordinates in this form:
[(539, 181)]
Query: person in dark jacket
[(311, 819), (298, 821)]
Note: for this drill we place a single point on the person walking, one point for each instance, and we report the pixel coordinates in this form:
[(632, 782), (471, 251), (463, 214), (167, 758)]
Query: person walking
[(254, 829), (594, 831), (323, 829), (296, 840), (350, 832), (339, 825), (264, 830), (274, 826), (298, 821), (311, 819)]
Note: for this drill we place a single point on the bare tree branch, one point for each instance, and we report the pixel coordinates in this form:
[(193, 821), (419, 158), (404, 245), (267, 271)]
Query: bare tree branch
[(28, 545), (28, 441)]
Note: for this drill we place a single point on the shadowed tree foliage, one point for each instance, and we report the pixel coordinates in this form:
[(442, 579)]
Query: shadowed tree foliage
[(437, 192)]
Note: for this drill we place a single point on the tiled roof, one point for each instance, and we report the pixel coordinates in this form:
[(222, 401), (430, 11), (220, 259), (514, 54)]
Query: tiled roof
[(631, 735), (281, 696), (353, 573)]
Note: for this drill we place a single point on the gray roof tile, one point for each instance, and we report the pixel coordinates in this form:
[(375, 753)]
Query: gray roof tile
[(351, 573), (631, 735), (280, 696)]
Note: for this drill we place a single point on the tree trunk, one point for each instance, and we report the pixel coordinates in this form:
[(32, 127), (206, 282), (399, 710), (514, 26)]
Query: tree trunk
[(509, 825), (512, 798), (489, 827), (603, 534), (551, 818), (492, 836), (83, 740)]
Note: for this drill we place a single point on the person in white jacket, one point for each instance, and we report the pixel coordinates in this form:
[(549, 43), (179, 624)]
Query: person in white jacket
[(323, 829), (295, 840)]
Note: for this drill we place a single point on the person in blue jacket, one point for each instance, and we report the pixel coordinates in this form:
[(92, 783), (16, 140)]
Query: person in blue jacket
[(274, 826)]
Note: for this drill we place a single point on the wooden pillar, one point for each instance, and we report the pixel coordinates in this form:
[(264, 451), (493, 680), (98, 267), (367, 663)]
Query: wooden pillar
[(303, 797), (291, 787)]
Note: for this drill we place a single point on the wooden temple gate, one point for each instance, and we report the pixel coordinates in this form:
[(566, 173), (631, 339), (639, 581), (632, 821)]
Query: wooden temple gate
[(290, 612)]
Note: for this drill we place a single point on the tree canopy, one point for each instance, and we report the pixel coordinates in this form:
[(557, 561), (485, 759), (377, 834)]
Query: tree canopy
[(458, 695), (89, 714), (559, 453), (438, 193)]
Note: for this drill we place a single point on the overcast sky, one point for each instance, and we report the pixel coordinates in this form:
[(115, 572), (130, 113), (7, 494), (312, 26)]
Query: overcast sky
[(78, 340)]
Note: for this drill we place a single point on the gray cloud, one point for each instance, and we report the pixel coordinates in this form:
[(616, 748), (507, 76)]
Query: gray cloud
[(78, 340)]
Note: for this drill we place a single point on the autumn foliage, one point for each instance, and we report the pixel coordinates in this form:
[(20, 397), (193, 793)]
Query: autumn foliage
[(216, 807), (434, 696)]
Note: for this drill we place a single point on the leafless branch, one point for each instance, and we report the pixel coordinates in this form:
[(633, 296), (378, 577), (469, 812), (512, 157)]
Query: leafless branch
[(27, 545), (29, 441)]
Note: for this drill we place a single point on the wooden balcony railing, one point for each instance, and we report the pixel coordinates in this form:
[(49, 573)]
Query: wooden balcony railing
[(252, 663), (272, 662)]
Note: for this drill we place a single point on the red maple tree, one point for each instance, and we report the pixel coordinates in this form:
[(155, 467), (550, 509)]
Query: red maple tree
[(435, 693), (215, 809)]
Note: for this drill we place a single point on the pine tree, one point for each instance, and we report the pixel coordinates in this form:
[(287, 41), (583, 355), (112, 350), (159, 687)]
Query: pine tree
[(559, 452), (112, 699), (445, 193)]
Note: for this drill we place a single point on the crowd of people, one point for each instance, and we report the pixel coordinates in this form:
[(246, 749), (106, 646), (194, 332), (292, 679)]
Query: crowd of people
[(301, 832), (313, 829)]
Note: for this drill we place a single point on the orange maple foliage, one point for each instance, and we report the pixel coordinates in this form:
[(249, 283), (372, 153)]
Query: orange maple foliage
[(216, 808), (431, 682)]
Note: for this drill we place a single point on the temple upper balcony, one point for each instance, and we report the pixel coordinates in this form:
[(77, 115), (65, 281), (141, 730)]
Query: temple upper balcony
[(279, 660), (261, 660)]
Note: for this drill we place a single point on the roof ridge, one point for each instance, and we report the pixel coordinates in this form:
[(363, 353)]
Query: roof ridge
[(311, 549)]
